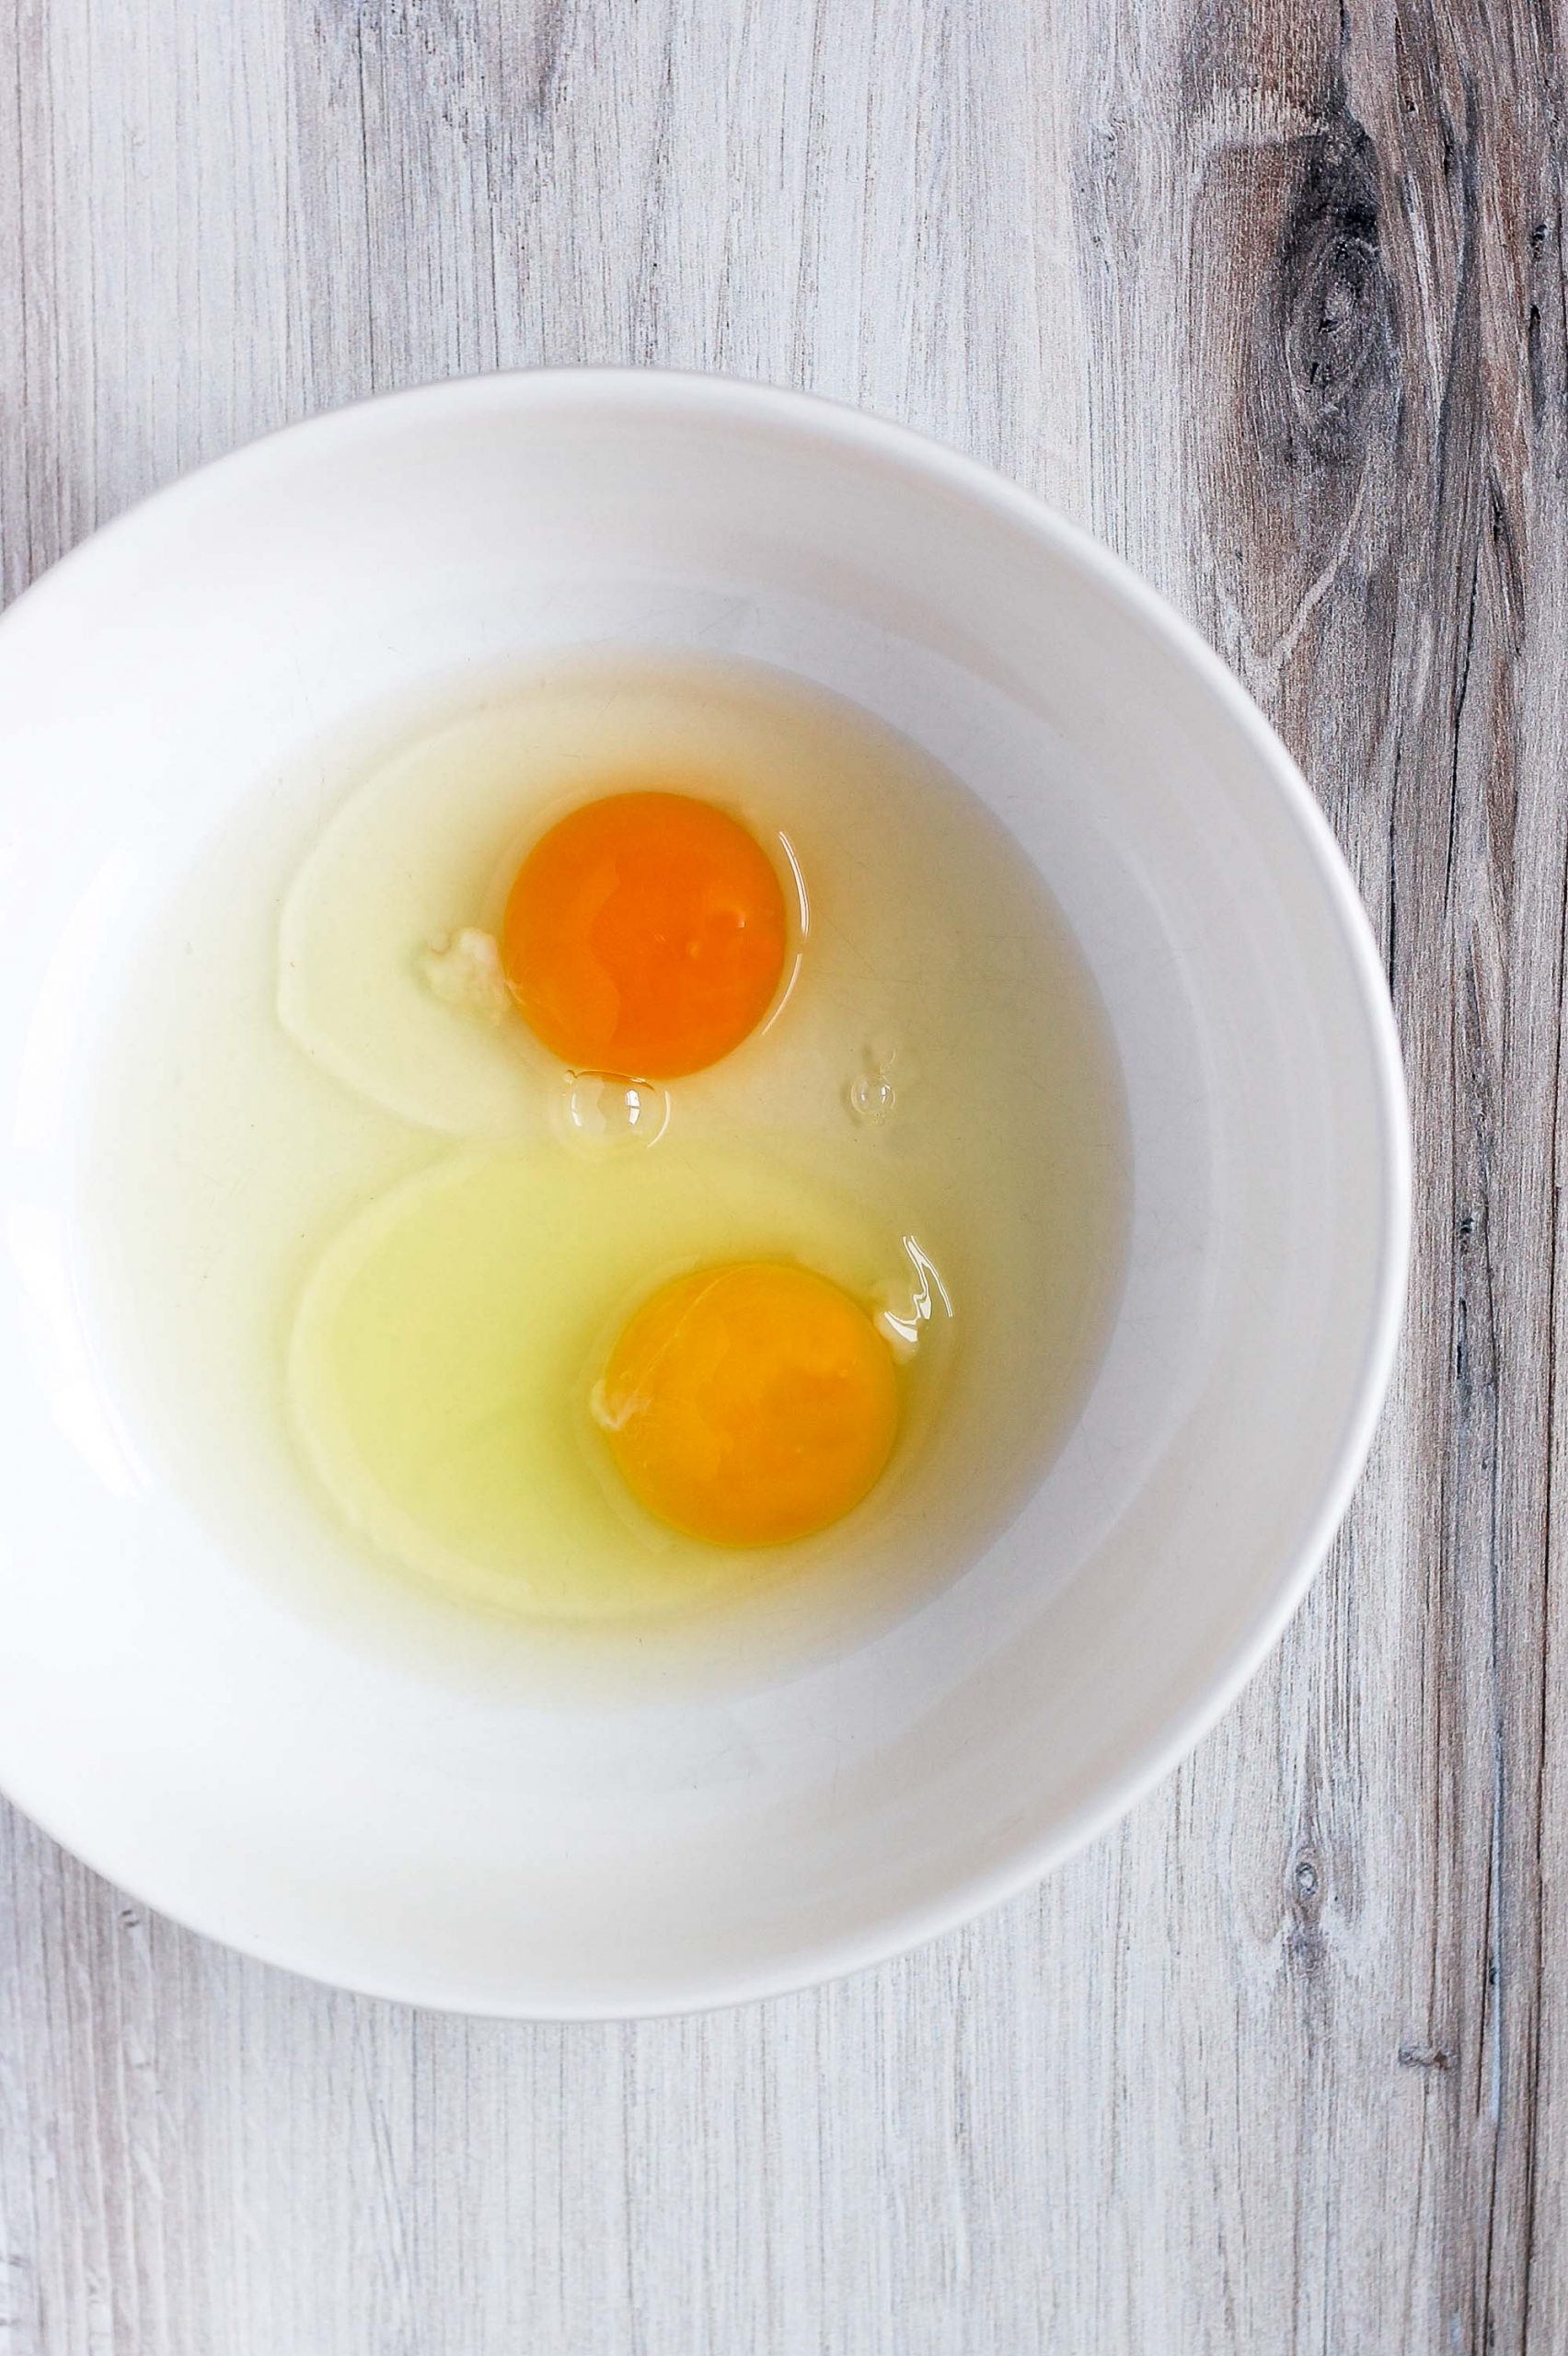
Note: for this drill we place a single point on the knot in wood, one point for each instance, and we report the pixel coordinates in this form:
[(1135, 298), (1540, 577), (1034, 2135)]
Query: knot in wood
[(1333, 301)]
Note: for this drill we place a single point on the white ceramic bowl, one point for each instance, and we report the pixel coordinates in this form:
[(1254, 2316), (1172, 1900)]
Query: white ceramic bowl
[(246, 1770)]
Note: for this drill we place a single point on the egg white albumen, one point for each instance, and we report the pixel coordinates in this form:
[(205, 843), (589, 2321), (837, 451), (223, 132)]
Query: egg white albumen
[(934, 972)]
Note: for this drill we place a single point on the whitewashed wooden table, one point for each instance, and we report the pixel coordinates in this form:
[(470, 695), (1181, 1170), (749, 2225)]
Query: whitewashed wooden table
[(1273, 297)]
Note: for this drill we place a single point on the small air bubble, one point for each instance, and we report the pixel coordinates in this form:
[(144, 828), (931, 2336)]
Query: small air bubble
[(871, 1096), (602, 1110)]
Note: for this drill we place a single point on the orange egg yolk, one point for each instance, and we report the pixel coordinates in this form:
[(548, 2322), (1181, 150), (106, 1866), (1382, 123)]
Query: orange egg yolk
[(645, 934), (751, 1403)]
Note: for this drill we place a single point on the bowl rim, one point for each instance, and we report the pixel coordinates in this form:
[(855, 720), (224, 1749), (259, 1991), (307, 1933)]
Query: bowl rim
[(821, 419)]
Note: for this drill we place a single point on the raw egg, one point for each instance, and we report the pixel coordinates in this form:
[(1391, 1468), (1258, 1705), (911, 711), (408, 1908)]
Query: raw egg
[(486, 1388), (494, 911)]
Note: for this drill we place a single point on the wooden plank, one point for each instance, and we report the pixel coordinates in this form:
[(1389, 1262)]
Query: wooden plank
[(1272, 295)]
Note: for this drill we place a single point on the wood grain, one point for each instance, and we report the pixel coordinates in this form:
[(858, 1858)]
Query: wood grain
[(1273, 296)]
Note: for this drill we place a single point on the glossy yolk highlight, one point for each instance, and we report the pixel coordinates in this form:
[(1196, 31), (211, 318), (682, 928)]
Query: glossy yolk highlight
[(645, 934), (751, 1403)]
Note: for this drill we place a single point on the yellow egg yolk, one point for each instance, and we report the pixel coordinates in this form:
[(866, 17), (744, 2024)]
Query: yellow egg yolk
[(645, 934), (751, 1403)]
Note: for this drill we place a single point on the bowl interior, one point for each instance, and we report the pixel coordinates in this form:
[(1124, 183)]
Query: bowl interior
[(254, 1773)]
